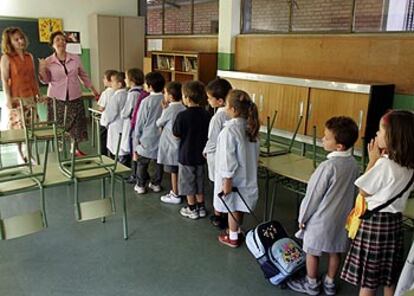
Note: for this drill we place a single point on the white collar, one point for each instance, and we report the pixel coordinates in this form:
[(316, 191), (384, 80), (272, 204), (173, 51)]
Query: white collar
[(120, 90), (175, 103), (236, 120), (345, 153), (153, 93), (135, 87)]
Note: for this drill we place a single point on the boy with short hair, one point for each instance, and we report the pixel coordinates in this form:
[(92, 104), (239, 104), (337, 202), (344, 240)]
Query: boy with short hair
[(191, 126), (217, 91), (147, 134), (329, 198)]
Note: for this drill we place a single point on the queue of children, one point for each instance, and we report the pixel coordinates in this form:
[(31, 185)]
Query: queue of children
[(171, 128)]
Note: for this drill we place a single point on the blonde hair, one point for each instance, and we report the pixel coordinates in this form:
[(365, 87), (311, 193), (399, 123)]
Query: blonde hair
[(6, 46)]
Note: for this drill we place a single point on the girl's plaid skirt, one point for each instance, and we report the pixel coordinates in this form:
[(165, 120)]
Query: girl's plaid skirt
[(375, 256)]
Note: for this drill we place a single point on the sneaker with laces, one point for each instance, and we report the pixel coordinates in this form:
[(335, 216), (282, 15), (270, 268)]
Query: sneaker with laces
[(302, 285), (155, 188), (329, 288), (192, 214), (139, 189), (224, 238), (171, 198), (202, 212)]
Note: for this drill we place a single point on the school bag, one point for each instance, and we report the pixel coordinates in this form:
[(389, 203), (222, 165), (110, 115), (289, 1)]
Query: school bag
[(279, 256)]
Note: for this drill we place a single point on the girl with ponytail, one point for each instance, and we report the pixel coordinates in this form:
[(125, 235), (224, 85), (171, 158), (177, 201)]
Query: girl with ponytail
[(236, 163)]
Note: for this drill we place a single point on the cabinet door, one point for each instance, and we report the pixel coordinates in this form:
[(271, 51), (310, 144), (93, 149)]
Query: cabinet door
[(257, 92), (325, 104), (290, 102), (133, 33), (109, 44)]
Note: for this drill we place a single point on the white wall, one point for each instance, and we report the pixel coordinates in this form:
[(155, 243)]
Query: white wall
[(73, 12)]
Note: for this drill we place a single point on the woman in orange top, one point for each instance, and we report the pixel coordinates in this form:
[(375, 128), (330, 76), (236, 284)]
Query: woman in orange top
[(18, 78)]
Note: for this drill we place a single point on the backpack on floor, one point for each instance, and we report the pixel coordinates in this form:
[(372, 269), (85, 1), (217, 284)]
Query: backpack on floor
[(278, 255)]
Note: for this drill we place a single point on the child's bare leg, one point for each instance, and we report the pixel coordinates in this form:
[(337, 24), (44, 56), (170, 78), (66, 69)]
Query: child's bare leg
[(200, 198), (389, 291), (366, 292), (333, 264), (233, 224), (312, 266), (174, 183), (191, 201)]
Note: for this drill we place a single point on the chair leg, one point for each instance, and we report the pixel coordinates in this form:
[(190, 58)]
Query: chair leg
[(37, 152), (113, 192), (272, 201), (43, 206), (124, 207), (103, 193), (76, 195), (64, 147)]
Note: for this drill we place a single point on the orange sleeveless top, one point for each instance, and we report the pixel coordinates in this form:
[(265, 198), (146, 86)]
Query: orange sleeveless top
[(22, 76)]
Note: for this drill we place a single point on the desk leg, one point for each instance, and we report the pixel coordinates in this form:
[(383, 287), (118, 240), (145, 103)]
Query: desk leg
[(93, 131), (272, 200), (266, 195), (103, 194)]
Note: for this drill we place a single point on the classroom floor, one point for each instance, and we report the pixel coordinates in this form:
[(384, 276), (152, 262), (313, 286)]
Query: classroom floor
[(165, 254)]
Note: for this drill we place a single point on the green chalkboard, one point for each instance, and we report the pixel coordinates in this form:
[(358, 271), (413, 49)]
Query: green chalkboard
[(30, 28)]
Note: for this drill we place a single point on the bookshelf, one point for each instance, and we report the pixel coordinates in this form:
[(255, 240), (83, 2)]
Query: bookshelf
[(184, 66)]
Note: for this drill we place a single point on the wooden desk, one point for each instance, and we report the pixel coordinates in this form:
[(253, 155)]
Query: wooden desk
[(291, 170)]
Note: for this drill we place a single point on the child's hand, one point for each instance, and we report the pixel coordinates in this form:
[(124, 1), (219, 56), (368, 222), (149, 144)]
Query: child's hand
[(301, 226), (227, 186), (205, 155), (374, 152)]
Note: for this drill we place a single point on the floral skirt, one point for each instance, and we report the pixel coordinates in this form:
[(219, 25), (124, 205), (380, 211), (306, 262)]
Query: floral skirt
[(76, 123), (15, 114)]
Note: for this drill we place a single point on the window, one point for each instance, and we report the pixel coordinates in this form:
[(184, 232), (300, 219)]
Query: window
[(182, 16), (311, 15), (327, 15)]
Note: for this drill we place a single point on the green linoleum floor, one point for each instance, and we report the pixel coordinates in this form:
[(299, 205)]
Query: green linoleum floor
[(165, 254)]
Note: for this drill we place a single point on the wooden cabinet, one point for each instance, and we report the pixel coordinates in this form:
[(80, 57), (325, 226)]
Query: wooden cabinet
[(116, 43), (324, 104), (316, 100), (185, 66)]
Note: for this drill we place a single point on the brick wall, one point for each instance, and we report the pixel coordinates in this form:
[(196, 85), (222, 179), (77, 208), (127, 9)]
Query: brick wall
[(314, 15), (178, 20)]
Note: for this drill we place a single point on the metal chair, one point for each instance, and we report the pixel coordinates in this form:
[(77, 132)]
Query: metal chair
[(22, 178)]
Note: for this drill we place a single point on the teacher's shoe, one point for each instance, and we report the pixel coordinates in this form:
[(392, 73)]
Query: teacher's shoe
[(79, 153)]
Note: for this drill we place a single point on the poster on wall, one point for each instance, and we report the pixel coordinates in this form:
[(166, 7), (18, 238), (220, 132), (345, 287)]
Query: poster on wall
[(47, 26), (73, 44)]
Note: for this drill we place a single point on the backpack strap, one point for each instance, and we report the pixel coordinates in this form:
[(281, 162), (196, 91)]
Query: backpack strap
[(368, 214)]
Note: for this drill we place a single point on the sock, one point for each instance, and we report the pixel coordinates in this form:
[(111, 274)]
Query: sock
[(328, 280), (311, 280), (192, 207), (201, 205), (233, 235)]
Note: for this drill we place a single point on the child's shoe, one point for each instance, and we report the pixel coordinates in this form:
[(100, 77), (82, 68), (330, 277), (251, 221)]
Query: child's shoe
[(302, 285), (171, 198), (224, 238), (139, 189), (192, 214), (155, 188), (328, 287), (202, 212)]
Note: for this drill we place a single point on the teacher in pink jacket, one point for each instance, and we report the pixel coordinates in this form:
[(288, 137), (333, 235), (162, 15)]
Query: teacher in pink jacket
[(64, 72)]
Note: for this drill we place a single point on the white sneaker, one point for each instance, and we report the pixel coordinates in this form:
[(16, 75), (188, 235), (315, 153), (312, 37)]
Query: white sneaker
[(155, 188), (171, 198), (202, 212), (192, 214), (139, 189)]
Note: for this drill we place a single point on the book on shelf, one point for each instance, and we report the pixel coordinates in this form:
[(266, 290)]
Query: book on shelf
[(190, 64), (165, 63)]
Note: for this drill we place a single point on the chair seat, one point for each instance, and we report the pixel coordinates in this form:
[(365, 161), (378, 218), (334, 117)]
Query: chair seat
[(95, 209), (22, 225), (17, 185), (46, 133)]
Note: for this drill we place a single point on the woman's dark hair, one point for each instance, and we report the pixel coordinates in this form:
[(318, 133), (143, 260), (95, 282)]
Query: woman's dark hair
[(136, 76), (155, 80), (219, 88), (53, 36), (120, 77), (247, 109), (344, 129), (399, 136), (174, 89), (195, 91)]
